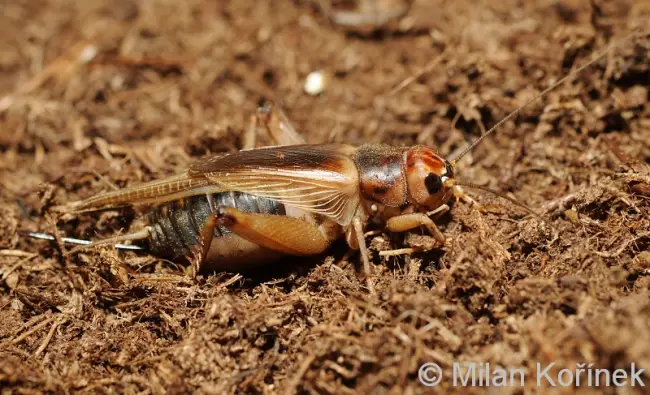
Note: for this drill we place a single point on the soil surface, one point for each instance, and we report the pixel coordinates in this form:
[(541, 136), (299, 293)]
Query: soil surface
[(100, 94)]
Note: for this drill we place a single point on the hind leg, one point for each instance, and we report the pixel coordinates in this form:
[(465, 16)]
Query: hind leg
[(277, 125), (200, 251), (287, 235)]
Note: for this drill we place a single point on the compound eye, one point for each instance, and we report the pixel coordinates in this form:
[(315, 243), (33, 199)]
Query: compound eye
[(433, 182)]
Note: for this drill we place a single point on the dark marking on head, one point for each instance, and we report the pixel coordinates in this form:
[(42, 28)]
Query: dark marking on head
[(380, 190), (433, 182), (449, 171)]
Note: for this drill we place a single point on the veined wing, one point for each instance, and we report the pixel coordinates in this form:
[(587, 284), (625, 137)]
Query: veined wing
[(321, 179), (156, 191)]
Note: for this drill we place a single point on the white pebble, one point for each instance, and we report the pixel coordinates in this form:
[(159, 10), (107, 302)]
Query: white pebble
[(315, 83), (88, 53)]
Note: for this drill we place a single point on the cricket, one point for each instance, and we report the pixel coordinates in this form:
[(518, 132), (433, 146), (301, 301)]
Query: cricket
[(325, 197), (249, 208)]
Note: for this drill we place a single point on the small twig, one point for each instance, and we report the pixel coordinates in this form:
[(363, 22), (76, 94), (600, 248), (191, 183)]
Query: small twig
[(232, 280), (65, 256), (59, 241), (48, 338), (622, 248), (622, 157), (17, 253), (17, 265), (561, 203), (146, 361), (399, 251), (27, 324), (34, 329), (158, 63), (100, 383), (295, 381)]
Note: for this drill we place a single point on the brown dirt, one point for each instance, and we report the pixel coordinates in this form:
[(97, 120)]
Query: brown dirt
[(174, 81)]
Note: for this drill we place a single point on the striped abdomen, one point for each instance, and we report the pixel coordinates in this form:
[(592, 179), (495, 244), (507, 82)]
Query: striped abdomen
[(176, 226)]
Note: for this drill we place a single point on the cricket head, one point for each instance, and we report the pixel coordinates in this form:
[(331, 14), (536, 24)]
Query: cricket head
[(429, 177)]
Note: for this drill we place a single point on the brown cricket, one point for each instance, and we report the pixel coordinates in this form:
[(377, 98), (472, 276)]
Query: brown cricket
[(248, 208)]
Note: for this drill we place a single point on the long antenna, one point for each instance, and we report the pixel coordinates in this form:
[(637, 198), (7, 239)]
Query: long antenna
[(600, 55)]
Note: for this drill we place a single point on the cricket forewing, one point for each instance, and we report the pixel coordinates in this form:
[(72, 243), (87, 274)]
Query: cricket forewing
[(322, 179), (317, 178)]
